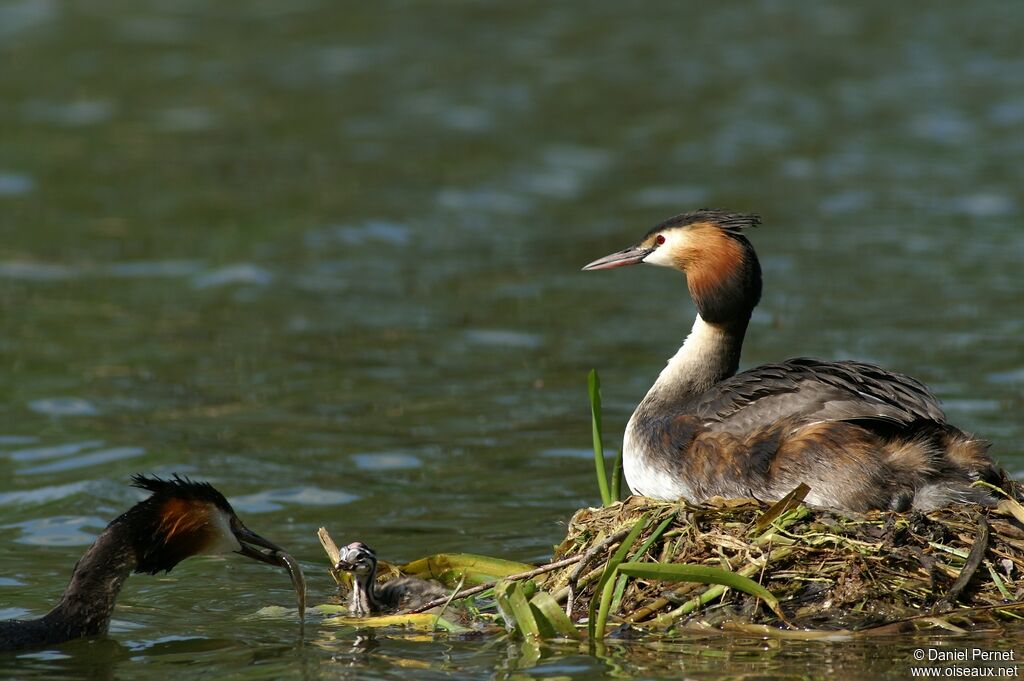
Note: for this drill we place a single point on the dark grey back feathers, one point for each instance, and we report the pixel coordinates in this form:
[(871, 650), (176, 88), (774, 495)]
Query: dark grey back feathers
[(806, 390)]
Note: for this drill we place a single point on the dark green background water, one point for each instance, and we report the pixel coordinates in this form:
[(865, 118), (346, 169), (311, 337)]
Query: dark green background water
[(325, 255)]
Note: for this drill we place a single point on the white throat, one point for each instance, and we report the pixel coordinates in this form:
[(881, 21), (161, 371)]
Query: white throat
[(706, 357), (698, 364)]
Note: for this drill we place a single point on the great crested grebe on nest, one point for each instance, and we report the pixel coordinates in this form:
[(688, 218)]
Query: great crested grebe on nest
[(860, 436), (181, 518)]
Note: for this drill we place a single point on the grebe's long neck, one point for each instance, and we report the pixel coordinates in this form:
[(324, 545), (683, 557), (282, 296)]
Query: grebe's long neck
[(88, 601), (709, 354), (364, 598)]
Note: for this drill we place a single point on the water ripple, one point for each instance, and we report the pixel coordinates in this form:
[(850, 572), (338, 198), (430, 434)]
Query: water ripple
[(58, 530), (277, 499), (383, 231), (52, 451), (63, 406), (23, 15), (186, 119), (503, 338), (70, 114), (83, 461), (243, 273), (153, 268), (15, 184), (671, 195), (36, 271), (386, 461), (483, 199), (42, 495), (17, 440)]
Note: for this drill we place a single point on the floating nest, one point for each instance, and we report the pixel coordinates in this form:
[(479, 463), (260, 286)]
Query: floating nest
[(739, 565), (953, 568)]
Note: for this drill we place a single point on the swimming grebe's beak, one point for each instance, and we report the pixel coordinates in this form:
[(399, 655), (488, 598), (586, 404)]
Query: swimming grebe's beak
[(630, 256), (249, 540)]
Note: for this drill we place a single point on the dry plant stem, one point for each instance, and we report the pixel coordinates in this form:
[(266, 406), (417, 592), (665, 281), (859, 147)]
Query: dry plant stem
[(329, 546), (587, 556), (974, 559), (1011, 507), (768, 552), (480, 588), (455, 592), (649, 609), (895, 625), (333, 554), (800, 635), (562, 594), (846, 634)]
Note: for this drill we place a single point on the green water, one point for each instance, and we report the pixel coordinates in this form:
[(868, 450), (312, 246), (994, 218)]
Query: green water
[(325, 255)]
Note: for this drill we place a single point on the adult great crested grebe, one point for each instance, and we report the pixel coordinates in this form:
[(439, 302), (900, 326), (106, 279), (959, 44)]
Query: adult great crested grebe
[(180, 519), (367, 598), (861, 437)]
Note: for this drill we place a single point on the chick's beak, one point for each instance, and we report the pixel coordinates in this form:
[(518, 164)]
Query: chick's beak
[(629, 256), (347, 560), (249, 540)]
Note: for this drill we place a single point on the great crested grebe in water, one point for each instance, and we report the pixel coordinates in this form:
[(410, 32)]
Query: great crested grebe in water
[(861, 437), (369, 598), (180, 519)]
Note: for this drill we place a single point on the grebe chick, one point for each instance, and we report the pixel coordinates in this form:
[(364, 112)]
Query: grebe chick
[(861, 437), (180, 519), (369, 598)]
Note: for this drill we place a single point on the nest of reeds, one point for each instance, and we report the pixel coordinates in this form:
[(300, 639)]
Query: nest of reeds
[(952, 568)]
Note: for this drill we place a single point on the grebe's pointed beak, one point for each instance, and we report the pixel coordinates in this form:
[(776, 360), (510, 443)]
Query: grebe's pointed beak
[(629, 256), (249, 540)]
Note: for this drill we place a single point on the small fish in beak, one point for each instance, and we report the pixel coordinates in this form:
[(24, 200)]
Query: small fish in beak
[(275, 555)]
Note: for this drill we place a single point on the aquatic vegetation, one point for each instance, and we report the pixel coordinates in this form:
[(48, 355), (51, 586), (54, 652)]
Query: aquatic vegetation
[(610, 490)]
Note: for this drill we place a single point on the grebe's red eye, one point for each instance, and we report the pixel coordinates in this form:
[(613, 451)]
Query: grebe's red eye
[(660, 239)]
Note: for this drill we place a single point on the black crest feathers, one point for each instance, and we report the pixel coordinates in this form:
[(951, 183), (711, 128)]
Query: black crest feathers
[(181, 487), (734, 223)]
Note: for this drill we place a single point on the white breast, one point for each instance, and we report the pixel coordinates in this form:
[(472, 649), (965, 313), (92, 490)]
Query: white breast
[(644, 479)]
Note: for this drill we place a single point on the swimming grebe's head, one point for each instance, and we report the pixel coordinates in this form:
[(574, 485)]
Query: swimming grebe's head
[(184, 518), (722, 271), (357, 558)]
